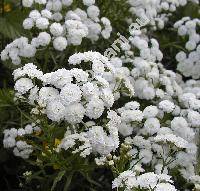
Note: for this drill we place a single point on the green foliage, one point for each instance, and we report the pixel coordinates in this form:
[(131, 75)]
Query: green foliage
[(8, 110), (58, 179), (11, 21)]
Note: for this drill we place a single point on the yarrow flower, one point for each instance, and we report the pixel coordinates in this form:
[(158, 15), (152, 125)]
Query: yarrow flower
[(76, 25), (20, 147), (188, 64), (66, 100), (130, 180), (122, 110), (170, 138)]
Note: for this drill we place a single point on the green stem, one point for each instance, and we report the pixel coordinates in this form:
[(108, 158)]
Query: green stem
[(67, 184)]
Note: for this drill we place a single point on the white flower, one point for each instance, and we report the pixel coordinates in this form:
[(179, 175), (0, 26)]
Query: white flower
[(47, 94), (160, 93), (27, 3), (29, 69), (70, 93), (79, 75), (100, 141), (151, 126), (10, 133), (55, 5), (90, 90), (46, 14), (98, 67), (147, 180), (28, 23), (181, 56), (55, 110), (88, 2), (95, 108), (28, 129), (194, 118), (42, 23), (188, 62), (93, 12), (43, 39), (59, 78), (177, 141), (132, 115), (34, 14), (102, 81), (21, 145), (21, 132), (178, 123), (27, 51), (126, 178), (190, 45), (9, 142), (181, 128), (22, 149), (133, 105), (23, 85), (4, 55), (165, 187), (74, 113), (70, 140), (107, 97), (57, 16), (56, 29), (148, 93), (150, 111), (125, 129), (145, 156), (60, 43), (150, 180), (67, 2), (76, 31), (108, 29), (167, 106)]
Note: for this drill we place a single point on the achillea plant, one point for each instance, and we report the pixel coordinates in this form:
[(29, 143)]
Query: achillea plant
[(124, 120)]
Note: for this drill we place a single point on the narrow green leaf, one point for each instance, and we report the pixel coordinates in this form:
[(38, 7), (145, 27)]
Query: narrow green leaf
[(67, 184), (58, 179)]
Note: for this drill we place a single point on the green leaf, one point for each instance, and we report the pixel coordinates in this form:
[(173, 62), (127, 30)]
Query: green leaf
[(67, 184), (58, 179), (6, 97), (12, 24)]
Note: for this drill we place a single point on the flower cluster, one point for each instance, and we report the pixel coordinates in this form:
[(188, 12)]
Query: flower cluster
[(54, 28), (150, 181), (72, 94), (188, 61), (95, 139), (148, 48), (18, 48), (13, 138), (129, 114), (158, 11)]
